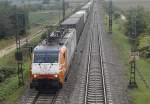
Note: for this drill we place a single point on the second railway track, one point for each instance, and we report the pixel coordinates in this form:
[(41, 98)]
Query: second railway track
[(42, 97), (95, 86)]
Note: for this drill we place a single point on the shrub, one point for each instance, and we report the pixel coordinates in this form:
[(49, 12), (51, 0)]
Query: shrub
[(6, 72), (144, 46)]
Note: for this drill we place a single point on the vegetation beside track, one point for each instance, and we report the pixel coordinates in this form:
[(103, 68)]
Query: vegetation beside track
[(9, 89), (126, 4), (141, 94)]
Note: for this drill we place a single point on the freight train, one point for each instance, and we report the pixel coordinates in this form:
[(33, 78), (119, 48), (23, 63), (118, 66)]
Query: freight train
[(51, 59)]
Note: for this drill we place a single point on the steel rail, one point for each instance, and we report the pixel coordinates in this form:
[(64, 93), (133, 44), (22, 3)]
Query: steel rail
[(102, 67), (88, 70), (103, 95), (46, 98)]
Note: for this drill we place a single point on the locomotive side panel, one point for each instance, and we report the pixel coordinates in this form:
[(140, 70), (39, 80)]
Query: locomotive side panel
[(71, 46), (80, 27), (84, 13), (86, 8)]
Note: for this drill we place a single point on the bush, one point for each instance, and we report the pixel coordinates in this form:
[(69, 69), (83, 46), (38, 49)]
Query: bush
[(144, 46), (141, 20), (8, 87), (6, 72), (8, 20), (44, 36)]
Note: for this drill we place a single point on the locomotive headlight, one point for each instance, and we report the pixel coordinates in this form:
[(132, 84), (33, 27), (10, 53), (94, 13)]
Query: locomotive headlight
[(55, 76), (34, 76)]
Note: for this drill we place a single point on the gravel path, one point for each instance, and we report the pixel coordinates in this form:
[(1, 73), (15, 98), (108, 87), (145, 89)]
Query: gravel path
[(12, 47)]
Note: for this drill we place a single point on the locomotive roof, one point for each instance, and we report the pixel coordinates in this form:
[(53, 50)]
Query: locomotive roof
[(70, 21), (86, 6), (81, 12), (54, 45), (44, 48), (76, 15)]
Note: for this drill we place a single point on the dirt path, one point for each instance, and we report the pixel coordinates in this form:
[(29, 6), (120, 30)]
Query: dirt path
[(12, 47)]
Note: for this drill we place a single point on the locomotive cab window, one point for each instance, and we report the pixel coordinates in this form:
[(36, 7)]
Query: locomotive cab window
[(46, 57)]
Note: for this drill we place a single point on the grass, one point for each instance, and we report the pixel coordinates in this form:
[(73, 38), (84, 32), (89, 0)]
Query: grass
[(11, 40), (10, 85), (121, 39), (37, 20), (124, 5), (7, 41), (9, 89), (47, 17), (140, 95), (42, 18)]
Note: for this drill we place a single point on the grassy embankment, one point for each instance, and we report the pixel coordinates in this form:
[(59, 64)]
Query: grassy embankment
[(9, 89), (38, 20), (126, 4), (141, 94)]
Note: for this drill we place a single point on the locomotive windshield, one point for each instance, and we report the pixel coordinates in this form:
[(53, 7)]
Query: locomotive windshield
[(46, 57)]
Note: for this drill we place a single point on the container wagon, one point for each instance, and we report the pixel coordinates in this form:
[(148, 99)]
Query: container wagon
[(76, 23)]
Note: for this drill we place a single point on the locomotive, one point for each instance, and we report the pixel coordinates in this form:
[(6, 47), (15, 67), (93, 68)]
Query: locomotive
[(51, 59)]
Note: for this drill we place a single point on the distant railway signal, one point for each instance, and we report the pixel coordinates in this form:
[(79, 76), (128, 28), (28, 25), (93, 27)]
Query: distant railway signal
[(29, 48), (133, 33), (20, 24)]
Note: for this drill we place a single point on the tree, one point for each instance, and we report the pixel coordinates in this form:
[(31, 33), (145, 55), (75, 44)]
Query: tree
[(140, 18), (5, 20), (144, 46), (8, 20)]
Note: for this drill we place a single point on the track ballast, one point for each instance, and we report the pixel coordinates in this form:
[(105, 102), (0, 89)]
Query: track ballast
[(95, 86), (42, 97)]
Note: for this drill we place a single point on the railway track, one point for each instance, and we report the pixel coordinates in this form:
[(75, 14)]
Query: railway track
[(42, 97), (95, 86)]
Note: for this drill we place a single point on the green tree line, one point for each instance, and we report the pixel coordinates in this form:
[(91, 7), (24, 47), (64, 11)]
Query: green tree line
[(8, 21), (142, 28)]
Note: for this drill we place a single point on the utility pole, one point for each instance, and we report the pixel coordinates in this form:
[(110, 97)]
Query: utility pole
[(18, 53), (63, 8), (110, 17), (132, 82)]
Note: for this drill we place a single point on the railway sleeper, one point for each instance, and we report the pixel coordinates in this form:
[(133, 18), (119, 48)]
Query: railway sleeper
[(45, 83)]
